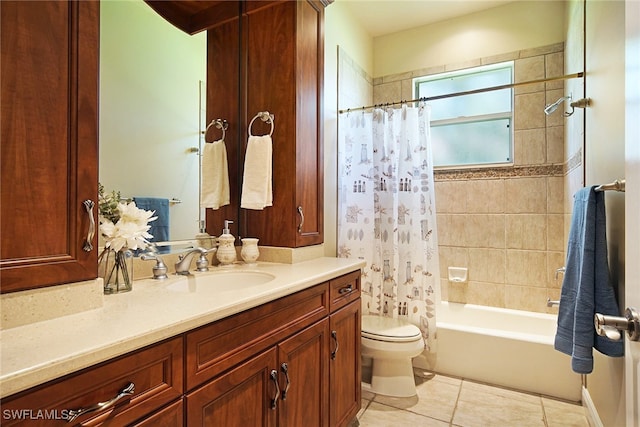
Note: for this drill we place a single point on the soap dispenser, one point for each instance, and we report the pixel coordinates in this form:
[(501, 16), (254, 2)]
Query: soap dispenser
[(226, 253)]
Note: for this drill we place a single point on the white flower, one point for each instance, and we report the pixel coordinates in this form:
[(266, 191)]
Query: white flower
[(131, 229)]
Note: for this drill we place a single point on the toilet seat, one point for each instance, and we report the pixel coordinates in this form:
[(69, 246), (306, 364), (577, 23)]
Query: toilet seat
[(389, 329)]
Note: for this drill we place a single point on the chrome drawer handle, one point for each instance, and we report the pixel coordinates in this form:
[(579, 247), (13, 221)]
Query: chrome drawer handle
[(345, 290), (285, 370), (75, 413), (334, 335), (88, 206), (274, 378)]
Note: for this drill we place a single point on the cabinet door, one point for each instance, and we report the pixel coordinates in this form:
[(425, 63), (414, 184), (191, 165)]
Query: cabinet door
[(284, 63), (304, 374), (223, 102), (171, 416), (345, 366), (49, 162), (245, 396)]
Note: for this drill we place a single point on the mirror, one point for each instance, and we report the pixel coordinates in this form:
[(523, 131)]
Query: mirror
[(152, 108)]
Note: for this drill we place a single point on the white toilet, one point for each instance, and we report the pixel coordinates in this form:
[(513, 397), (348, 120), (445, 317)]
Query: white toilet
[(391, 343)]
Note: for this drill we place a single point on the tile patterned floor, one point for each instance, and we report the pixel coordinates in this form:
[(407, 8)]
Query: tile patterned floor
[(444, 401)]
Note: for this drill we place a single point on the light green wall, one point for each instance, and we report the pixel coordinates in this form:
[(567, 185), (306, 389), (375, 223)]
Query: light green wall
[(149, 111), (509, 28), (340, 30)]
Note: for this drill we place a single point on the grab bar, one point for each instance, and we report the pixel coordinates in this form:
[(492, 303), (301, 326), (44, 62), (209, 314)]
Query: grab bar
[(552, 303)]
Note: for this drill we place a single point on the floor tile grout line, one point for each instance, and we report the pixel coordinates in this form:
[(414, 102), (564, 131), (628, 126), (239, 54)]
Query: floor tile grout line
[(544, 413), (455, 407)]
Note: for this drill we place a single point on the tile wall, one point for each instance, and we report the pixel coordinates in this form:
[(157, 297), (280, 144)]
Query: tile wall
[(506, 224)]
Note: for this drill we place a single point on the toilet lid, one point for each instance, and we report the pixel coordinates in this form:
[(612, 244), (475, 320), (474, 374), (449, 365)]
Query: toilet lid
[(389, 329)]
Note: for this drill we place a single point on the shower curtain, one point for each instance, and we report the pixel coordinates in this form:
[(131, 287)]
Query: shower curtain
[(387, 214)]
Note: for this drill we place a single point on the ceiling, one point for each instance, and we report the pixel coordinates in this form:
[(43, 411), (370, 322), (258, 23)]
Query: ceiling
[(380, 17)]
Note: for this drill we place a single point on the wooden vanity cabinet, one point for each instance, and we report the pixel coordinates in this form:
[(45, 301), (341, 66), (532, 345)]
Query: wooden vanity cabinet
[(286, 385), (306, 344), (290, 362), (345, 365), (271, 58), (284, 75), (49, 133), (156, 373), (284, 340)]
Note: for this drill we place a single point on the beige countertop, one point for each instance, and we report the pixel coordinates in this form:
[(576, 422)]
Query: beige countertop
[(155, 310)]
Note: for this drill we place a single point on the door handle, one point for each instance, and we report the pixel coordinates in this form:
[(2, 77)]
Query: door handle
[(613, 326)]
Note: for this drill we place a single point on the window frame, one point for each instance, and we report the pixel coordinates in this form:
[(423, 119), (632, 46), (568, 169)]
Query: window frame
[(509, 115)]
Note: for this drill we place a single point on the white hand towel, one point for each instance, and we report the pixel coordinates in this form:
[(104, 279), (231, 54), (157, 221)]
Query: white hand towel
[(214, 191), (257, 190)]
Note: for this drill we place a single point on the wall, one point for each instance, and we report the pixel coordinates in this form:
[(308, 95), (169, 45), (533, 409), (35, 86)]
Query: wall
[(343, 31), (604, 161), (514, 26), (149, 113), (504, 224)]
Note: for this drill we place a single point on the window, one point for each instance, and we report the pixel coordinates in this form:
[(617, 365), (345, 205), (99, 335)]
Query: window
[(475, 129)]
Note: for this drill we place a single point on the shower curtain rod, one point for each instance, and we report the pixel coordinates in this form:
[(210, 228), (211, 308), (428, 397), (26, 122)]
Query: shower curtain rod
[(469, 92)]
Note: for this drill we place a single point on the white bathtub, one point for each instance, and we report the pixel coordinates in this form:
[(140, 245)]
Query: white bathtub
[(509, 348)]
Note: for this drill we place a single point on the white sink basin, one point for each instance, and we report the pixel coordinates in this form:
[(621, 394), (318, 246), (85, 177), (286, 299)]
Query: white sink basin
[(222, 280)]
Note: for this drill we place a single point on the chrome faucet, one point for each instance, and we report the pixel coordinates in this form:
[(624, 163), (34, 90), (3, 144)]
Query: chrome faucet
[(202, 264), (160, 269)]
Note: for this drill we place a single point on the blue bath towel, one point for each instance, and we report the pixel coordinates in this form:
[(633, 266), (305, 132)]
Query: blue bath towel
[(586, 288), (160, 227)]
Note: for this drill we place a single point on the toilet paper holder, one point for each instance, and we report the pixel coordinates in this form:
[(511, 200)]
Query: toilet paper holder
[(458, 274)]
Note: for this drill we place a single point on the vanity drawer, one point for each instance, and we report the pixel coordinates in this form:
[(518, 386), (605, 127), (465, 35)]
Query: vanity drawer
[(344, 289), (223, 344), (155, 371)]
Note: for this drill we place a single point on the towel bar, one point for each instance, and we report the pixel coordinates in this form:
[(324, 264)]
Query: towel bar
[(617, 185)]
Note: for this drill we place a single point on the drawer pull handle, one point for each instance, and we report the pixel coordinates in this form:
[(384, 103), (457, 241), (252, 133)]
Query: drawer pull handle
[(274, 378), (301, 219), (345, 290), (127, 391), (88, 206), (285, 371), (334, 335)]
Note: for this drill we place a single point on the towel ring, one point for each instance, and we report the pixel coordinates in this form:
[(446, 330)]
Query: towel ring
[(220, 124), (265, 117)]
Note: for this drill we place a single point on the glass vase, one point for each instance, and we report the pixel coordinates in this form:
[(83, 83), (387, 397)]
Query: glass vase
[(116, 269)]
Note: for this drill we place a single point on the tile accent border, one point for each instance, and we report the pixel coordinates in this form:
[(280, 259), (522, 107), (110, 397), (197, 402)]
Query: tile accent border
[(498, 172)]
